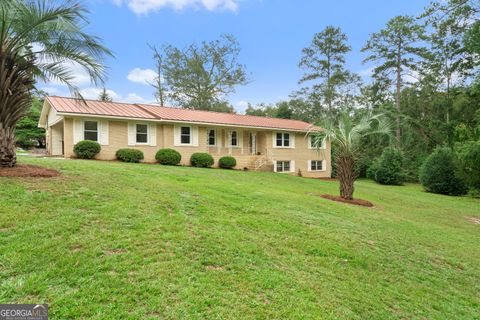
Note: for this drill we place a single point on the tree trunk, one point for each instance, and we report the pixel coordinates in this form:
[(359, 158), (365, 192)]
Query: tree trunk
[(8, 157), (346, 176), (397, 98)]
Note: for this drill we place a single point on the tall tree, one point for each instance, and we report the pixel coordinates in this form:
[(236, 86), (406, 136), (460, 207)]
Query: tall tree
[(104, 96), (201, 76), (396, 48), (324, 60), (158, 82), (345, 135), (40, 39)]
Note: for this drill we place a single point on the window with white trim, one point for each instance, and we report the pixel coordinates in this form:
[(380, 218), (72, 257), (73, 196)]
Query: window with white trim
[(185, 135), (234, 139), (315, 143), (282, 139), (212, 137), (316, 165), (90, 130), (283, 166), (141, 133)]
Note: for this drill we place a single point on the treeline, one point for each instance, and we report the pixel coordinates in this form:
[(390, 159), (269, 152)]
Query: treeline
[(425, 79)]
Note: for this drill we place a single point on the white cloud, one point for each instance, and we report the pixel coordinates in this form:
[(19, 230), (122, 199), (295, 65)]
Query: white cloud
[(146, 6), (241, 106), (143, 76), (135, 98), (366, 72)]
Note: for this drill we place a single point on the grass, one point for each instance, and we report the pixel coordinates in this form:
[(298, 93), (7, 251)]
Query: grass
[(110, 240)]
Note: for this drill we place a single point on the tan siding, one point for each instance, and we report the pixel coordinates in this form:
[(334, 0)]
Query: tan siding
[(301, 154)]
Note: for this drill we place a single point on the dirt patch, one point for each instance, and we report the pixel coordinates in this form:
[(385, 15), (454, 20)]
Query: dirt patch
[(474, 220), (358, 202), (114, 251), (214, 267), (26, 171)]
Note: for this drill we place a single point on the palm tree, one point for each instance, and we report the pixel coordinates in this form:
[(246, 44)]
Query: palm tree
[(40, 40), (345, 136), (104, 96)]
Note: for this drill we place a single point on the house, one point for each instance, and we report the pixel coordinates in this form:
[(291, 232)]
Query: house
[(257, 143)]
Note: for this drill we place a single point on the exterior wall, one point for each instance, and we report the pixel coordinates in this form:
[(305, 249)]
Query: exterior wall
[(301, 155), (266, 153)]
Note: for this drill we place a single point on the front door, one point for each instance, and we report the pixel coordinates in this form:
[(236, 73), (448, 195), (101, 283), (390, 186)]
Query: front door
[(253, 143)]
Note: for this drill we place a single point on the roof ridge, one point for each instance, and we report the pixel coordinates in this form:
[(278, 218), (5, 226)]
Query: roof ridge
[(171, 107), (147, 111)]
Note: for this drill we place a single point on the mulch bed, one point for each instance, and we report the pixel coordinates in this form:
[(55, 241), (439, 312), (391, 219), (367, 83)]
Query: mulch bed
[(25, 171), (358, 202)]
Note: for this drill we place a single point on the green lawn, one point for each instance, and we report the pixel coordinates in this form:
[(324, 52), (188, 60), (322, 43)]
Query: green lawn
[(109, 240)]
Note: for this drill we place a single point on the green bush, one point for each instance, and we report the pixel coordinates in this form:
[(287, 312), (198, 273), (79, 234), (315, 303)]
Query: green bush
[(469, 163), (388, 168), (227, 162), (201, 160), (86, 149), (168, 157), (438, 174), (129, 155)]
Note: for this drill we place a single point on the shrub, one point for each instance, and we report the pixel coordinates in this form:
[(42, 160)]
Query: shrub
[(168, 157), (86, 149), (438, 174), (388, 168), (201, 160), (129, 155), (227, 162), (469, 163)]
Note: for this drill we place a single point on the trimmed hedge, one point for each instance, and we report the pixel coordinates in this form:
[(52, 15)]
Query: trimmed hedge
[(129, 155), (227, 162), (439, 175), (201, 160), (168, 157), (388, 168), (86, 149)]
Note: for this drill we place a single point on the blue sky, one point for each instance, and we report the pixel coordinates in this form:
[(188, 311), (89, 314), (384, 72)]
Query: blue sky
[(271, 35)]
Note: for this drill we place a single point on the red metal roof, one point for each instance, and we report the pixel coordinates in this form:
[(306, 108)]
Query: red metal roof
[(169, 114)]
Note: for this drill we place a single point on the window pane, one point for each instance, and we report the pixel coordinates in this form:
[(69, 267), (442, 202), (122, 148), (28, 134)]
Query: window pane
[(319, 165), (279, 142), (185, 130), (279, 166), (286, 166), (185, 139), (234, 138), (211, 137), (142, 138), (91, 135), (91, 125), (142, 128)]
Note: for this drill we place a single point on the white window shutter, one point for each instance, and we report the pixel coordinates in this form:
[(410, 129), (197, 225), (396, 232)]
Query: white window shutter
[(240, 138), (309, 142), (274, 166), (195, 136), (309, 165), (292, 165), (292, 140), (152, 132), (77, 130), (274, 139), (132, 133), (324, 165), (103, 139), (176, 135)]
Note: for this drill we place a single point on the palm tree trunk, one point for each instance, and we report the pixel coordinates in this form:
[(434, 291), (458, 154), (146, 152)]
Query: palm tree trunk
[(8, 158), (346, 176)]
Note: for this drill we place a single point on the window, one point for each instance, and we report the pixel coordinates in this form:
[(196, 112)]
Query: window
[(315, 143), (283, 166), (185, 135), (233, 139), (283, 139), (142, 133), (90, 130), (212, 135), (316, 165)]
